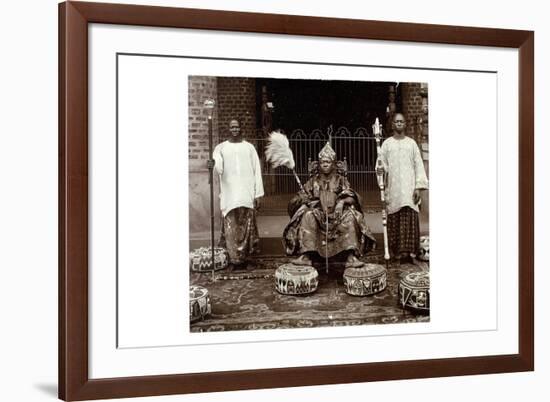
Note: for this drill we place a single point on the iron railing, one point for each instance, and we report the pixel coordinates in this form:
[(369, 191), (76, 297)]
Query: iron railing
[(357, 148)]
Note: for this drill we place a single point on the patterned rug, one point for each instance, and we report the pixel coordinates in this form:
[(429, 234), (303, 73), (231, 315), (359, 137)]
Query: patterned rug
[(247, 300)]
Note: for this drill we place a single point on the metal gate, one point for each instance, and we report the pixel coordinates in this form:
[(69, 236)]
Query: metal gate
[(357, 148)]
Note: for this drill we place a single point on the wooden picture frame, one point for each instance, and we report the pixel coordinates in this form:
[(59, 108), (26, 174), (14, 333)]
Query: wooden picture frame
[(74, 381)]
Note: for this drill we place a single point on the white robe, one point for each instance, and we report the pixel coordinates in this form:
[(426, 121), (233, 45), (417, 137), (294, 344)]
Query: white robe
[(238, 165), (405, 172)]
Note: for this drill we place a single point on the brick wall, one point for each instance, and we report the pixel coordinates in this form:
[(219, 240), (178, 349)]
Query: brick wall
[(200, 89), (237, 99), (411, 95), (412, 105)]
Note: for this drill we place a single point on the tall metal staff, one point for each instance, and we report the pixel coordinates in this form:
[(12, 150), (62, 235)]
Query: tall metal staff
[(325, 207), (377, 130), (209, 105)]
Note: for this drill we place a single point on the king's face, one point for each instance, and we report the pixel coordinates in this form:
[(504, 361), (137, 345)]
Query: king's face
[(326, 166)]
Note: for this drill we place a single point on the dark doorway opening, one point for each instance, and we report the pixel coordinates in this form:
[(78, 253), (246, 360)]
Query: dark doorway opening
[(305, 110), (317, 104)]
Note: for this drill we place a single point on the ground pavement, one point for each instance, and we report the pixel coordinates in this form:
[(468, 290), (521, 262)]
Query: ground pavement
[(248, 300)]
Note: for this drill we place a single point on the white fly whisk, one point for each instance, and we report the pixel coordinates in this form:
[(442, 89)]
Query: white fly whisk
[(278, 153)]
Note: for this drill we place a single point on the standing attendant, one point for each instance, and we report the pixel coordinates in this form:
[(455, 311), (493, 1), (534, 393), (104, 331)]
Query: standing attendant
[(406, 178), (238, 166)]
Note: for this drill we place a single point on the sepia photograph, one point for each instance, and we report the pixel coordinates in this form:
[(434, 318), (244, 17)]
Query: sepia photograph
[(308, 203)]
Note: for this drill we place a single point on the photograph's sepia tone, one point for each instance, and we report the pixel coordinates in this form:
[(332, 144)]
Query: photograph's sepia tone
[(308, 203)]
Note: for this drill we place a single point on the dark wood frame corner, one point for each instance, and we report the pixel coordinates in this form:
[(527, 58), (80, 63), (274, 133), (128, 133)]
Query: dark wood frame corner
[(74, 382)]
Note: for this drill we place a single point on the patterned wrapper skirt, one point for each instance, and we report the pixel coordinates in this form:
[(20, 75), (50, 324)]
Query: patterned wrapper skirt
[(403, 232), (240, 234)]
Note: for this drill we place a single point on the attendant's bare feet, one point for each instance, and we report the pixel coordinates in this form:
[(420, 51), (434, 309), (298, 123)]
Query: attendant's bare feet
[(406, 259), (233, 266), (302, 260)]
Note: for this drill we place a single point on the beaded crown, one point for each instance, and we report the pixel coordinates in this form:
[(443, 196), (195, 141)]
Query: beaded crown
[(327, 153)]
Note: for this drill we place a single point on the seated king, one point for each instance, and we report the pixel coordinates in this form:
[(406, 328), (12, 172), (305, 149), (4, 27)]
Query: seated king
[(327, 218)]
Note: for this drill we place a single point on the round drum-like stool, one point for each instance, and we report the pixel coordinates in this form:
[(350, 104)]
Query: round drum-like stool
[(424, 250), (199, 303), (200, 259), (293, 279), (366, 280), (414, 291)]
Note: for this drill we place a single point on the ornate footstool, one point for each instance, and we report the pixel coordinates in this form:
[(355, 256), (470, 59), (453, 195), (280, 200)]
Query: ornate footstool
[(414, 291), (424, 251), (293, 279), (366, 280), (199, 303), (200, 259)]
